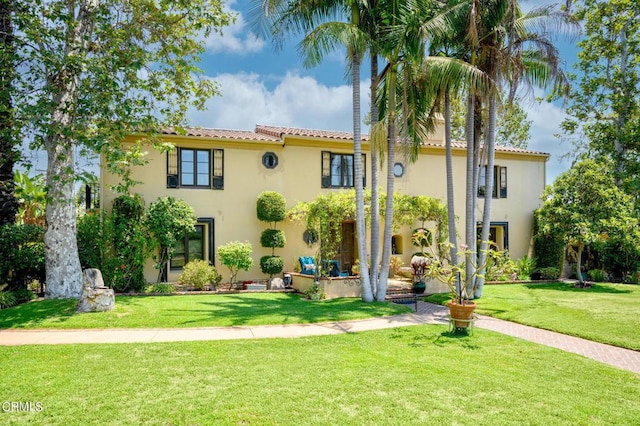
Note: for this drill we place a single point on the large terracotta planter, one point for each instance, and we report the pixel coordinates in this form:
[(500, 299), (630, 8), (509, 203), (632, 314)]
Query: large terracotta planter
[(461, 312)]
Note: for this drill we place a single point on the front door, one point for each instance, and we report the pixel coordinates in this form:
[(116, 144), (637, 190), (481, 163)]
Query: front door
[(347, 246)]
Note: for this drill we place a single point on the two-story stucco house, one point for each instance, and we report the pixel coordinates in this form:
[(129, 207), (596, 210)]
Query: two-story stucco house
[(220, 173)]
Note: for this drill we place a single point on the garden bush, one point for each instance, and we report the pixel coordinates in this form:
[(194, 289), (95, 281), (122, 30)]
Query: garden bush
[(21, 255), (271, 207), (271, 264), (161, 288), (525, 267), (129, 241), (7, 299), (236, 256), (549, 273), (198, 274), (272, 238), (597, 275)]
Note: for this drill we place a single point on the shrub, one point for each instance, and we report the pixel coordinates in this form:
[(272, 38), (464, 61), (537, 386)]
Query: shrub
[(161, 288), (21, 254), (167, 220), (395, 263), (271, 264), (315, 293), (23, 295), (236, 256), (272, 238), (597, 275), (525, 266), (198, 274), (7, 299), (92, 239), (129, 240), (548, 247), (271, 207), (549, 273)]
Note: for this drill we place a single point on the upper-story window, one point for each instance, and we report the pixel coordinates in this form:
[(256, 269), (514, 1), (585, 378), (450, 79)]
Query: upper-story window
[(338, 170), (195, 168), (499, 182)]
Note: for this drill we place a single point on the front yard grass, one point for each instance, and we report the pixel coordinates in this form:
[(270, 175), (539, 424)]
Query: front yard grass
[(194, 311), (407, 376), (606, 313)]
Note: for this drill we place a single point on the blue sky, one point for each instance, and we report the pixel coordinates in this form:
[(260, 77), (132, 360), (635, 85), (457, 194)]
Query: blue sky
[(260, 85)]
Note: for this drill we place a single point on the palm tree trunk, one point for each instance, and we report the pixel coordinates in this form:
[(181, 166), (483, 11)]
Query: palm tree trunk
[(470, 219), (361, 231), (451, 214), (391, 155), (488, 197), (375, 179)]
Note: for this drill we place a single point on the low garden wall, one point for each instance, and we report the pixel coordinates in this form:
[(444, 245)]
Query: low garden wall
[(334, 287), (350, 286)]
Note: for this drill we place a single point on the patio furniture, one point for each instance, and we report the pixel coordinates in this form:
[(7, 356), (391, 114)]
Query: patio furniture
[(307, 265)]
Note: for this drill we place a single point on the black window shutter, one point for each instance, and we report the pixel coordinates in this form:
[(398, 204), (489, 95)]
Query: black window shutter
[(326, 169), (364, 170), (217, 171), (172, 168)]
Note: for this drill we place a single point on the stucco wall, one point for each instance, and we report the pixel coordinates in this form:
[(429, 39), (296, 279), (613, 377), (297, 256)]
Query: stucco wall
[(298, 178)]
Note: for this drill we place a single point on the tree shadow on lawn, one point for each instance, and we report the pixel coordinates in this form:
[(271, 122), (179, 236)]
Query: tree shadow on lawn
[(595, 288), (37, 311), (239, 310)]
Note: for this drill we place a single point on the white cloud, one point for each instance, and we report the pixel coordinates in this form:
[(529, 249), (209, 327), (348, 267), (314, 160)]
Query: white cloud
[(235, 38), (294, 101)]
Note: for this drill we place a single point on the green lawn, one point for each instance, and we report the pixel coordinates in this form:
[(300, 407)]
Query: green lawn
[(607, 313), (194, 311), (408, 376)]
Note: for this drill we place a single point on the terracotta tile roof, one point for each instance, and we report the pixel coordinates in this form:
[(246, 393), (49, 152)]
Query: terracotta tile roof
[(293, 131), (222, 134), (276, 134)]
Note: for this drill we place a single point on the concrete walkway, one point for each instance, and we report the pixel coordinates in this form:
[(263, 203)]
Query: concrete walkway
[(428, 313)]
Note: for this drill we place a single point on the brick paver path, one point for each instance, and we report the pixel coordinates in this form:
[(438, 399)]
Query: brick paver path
[(625, 359), (428, 313)]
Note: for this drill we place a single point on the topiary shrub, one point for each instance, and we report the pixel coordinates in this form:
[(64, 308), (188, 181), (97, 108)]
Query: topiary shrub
[(129, 240), (271, 207), (271, 265), (272, 238), (198, 274)]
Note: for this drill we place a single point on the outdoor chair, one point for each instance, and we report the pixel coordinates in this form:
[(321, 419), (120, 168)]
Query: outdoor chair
[(333, 266), (307, 265)]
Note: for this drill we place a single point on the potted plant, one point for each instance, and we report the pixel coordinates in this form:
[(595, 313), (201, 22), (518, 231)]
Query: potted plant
[(461, 307), (419, 266)]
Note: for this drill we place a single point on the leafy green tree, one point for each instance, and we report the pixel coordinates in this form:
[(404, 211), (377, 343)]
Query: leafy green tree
[(93, 71), (604, 107), (8, 139), (585, 206), (236, 256), (167, 220)]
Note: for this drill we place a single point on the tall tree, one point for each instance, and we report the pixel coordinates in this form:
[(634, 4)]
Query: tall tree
[(514, 49), (604, 108), (585, 206), (322, 35), (8, 128), (92, 72)]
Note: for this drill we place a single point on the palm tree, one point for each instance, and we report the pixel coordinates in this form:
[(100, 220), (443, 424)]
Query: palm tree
[(321, 38), (514, 47)]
